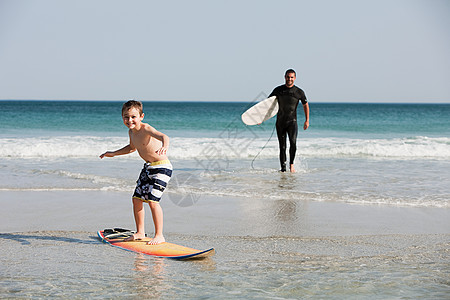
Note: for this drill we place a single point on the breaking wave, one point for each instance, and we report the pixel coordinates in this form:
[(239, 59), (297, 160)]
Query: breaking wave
[(231, 148)]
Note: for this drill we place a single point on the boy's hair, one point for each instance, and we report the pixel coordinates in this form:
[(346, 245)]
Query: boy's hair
[(133, 104), (290, 71)]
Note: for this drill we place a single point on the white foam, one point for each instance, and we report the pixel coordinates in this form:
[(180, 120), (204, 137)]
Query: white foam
[(230, 148), (413, 147), (296, 195), (61, 146)]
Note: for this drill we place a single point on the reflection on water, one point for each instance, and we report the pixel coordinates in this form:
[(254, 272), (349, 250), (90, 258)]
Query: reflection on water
[(275, 217), (150, 278), (287, 181), (286, 210), (154, 278)]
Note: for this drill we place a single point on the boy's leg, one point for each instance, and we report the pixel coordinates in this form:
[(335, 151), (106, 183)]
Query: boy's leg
[(157, 215), (139, 219)]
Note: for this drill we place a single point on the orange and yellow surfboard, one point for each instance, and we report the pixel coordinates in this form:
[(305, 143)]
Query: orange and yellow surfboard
[(115, 237)]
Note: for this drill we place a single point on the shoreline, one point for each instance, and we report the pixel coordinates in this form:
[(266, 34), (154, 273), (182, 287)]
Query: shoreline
[(23, 211)]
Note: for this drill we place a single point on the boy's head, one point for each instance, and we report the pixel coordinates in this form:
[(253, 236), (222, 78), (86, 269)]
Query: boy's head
[(132, 104), (132, 114)]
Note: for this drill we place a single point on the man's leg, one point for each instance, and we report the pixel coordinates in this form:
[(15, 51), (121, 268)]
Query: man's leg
[(292, 133), (281, 133)]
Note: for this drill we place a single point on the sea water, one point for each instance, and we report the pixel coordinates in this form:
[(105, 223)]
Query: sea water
[(44, 265), (370, 155), (390, 154)]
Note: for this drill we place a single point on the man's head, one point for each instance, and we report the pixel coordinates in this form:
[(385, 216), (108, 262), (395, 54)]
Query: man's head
[(289, 77)]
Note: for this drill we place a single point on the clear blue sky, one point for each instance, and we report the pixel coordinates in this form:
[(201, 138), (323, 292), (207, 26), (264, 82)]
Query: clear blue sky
[(343, 51)]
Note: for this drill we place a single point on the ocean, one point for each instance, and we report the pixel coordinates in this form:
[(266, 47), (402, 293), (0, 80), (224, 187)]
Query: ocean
[(366, 215), (389, 154)]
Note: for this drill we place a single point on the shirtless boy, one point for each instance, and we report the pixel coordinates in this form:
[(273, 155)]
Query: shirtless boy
[(152, 146)]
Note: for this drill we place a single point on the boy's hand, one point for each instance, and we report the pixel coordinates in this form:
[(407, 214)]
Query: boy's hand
[(161, 151), (107, 154)]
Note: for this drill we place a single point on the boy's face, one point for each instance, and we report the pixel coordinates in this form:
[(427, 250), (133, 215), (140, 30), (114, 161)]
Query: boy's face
[(132, 118)]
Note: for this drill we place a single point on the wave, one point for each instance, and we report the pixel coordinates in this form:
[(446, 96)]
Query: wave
[(183, 195), (230, 148), (188, 193), (411, 147)]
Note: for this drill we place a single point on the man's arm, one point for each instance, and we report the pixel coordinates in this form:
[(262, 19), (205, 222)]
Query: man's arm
[(306, 110)]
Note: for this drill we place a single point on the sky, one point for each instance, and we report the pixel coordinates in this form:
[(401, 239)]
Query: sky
[(236, 50)]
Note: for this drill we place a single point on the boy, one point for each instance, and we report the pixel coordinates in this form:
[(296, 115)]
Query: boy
[(152, 146)]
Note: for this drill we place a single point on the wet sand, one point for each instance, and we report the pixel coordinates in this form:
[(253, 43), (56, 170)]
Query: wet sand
[(24, 211)]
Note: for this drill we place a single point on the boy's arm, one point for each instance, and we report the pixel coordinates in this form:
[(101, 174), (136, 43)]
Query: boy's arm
[(122, 151), (161, 137)]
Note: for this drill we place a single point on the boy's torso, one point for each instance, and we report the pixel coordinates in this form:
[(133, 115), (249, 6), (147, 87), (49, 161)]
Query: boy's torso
[(146, 145)]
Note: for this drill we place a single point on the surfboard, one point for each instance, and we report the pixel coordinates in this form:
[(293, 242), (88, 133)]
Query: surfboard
[(261, 111), (116, 236)]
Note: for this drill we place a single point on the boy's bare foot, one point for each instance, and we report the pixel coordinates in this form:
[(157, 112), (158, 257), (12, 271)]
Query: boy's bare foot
[(292, 169), (158, 239), (135, 237)]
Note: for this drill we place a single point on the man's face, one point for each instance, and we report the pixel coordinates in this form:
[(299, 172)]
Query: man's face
[(290, 78)]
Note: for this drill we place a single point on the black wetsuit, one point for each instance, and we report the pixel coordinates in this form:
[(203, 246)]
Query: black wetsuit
[(286, 124)]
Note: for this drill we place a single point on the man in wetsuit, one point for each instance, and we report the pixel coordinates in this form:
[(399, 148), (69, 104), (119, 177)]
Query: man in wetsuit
[(288, 96)]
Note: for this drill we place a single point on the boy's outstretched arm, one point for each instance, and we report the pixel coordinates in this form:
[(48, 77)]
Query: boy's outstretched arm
[(125, 150)]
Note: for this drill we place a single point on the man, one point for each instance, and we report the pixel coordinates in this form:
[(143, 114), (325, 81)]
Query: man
[(288, 97)]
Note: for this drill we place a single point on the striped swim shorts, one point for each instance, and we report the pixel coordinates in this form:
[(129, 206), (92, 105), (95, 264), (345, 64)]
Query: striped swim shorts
[(153, 181)]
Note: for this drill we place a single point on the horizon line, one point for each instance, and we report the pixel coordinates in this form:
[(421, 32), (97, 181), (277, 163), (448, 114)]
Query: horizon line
[(228, 101)]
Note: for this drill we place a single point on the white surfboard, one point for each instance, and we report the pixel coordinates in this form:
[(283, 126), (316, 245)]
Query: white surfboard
[(261, 111)]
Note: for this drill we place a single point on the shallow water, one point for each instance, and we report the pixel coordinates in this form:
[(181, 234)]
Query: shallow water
[(77, 265), (415, 183)]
